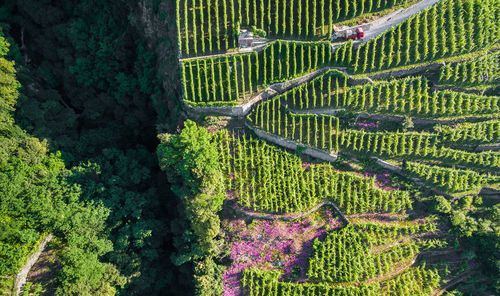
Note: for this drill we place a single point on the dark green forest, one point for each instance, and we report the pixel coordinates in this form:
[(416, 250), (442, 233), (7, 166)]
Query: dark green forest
[(81, 105)]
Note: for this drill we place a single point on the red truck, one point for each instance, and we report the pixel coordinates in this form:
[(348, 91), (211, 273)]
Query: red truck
[(348, 33), (359, 34)]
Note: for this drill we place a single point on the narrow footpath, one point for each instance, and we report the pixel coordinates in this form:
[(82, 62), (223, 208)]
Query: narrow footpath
[(294, 216), (23, 272)]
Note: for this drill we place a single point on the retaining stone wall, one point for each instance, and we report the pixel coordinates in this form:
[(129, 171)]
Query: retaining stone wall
[(316, 153)]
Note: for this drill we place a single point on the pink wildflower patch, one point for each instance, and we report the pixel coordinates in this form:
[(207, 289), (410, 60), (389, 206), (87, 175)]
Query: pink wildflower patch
[(269, 245), (212, 129), (368, 125), (382, 180)]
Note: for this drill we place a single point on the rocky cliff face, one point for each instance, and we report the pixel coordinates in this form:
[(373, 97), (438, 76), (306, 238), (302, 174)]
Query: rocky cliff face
[(156, 21)]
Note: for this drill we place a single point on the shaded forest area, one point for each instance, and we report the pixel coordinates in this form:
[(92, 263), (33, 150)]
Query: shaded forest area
[(89, 89)]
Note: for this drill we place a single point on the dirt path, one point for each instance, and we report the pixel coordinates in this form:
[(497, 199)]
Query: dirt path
[(257, 49), (23, 272), (464, 275), (269, 92), (403, 240), (381, 216), (403, 266), (290, 217)]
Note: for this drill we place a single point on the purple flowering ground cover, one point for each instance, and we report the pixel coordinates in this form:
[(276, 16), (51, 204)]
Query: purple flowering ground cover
[(272, 245), (367, 124), (382, 180)]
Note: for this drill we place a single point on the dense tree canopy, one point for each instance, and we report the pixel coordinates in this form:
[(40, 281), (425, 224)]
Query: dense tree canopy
[(89, 89), (37, 198), (191, 162)]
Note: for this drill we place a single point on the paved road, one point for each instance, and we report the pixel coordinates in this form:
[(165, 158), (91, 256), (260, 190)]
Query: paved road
[(376, 27), (384, 23)]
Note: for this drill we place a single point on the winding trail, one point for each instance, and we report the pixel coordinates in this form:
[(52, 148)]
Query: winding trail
[(271, 91), (403, 240), (257, 49), (384, 23), (405, 265), (464, 275), (389, 217), (293, 145), (23, 272), (294, 216)]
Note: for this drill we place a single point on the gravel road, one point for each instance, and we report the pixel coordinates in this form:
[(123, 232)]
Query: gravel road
[(384, 23)]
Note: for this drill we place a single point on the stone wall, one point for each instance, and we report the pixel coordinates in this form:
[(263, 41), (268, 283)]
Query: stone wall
[(271, 91), (492, 147), (406, 72), (387, 165), (324, 111), (292, 145), (490, 192)]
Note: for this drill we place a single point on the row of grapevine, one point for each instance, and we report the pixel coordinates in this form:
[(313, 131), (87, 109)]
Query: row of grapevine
[(417, 281), (284, 60), (412, 96), (313, 130), (389, 143), (485, 132), (326, 90), (417, 145), (448, 28), (266, 178), (205, 26), (343, 256), (234, 78), (451, 180), (220, 79), (485, 70), (209, 26), (259, 282), (375, 234)]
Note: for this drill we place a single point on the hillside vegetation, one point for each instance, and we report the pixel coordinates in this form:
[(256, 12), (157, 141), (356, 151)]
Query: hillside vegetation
[(407, 121)]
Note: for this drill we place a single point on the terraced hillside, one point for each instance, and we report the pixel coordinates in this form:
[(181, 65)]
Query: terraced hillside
[(365, 168), (213, 26)]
